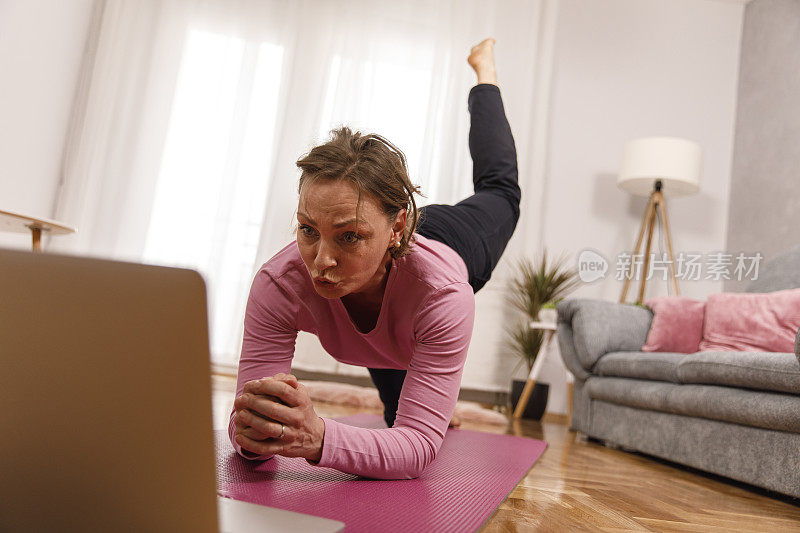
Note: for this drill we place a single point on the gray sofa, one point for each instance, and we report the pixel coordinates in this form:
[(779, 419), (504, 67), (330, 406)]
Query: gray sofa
[(736, 414)]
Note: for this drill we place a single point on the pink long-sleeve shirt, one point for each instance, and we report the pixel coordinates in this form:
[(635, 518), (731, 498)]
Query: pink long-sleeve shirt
[(424, 326)]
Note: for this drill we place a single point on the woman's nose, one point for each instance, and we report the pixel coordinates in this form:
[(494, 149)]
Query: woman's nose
[(325, 258)]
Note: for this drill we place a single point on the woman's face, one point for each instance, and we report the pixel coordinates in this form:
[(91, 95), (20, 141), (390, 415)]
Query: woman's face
[(353, 256)]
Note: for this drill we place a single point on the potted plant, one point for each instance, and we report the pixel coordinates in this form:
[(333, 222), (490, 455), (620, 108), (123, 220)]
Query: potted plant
[(538, 286)]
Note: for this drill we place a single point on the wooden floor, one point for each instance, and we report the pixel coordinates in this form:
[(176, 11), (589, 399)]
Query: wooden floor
[(580, 485)]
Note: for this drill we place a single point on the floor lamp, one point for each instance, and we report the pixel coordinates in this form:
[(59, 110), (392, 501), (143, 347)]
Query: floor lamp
[(657, 167)]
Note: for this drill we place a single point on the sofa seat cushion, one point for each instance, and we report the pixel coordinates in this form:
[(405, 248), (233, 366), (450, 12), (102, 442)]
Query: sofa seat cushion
[(658, 366), (753, 370), (767, 410)]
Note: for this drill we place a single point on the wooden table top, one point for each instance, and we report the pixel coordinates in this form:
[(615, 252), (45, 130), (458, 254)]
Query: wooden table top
[(18, 223)]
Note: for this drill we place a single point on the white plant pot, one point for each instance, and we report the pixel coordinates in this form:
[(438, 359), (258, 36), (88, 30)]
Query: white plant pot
[(548, 315)]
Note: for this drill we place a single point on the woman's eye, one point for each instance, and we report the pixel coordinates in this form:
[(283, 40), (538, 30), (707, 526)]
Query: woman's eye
[(352, 237), (349, 237)]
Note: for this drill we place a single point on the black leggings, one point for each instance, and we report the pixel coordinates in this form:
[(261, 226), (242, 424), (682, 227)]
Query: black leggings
[(479, 227)]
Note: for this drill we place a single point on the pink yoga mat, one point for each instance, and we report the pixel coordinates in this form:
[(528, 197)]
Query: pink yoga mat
[(472, 474)]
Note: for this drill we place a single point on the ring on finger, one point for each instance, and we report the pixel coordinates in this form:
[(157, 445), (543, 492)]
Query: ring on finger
[(283, 428)]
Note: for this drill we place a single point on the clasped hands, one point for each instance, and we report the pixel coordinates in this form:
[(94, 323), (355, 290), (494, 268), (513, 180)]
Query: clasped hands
[(266, 404)]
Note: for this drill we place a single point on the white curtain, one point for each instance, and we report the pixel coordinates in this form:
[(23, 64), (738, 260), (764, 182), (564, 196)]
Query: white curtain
[(191, 115)]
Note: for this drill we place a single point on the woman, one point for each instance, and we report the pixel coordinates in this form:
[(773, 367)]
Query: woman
[(382, 286)]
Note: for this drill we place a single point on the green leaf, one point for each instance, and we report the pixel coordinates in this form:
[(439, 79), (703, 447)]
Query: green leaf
[(539, 284)]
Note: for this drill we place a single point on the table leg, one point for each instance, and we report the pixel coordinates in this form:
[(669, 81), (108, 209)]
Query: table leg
[(37, 239), (534, 375)]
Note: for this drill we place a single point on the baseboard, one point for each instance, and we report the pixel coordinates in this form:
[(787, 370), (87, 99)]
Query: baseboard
[(469, 395)]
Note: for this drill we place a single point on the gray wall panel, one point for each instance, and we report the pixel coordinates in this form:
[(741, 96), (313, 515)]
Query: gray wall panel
[(764, 209)]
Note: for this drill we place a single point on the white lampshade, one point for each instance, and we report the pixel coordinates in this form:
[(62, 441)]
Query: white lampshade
[(676, 162)]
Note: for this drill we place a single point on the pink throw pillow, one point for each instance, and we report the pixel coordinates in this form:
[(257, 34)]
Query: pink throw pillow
[(763, 322), (677, 324)]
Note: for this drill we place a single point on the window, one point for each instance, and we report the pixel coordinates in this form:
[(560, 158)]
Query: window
[(215, 173)]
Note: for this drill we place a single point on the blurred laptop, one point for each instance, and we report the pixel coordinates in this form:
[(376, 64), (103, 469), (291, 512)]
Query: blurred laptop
[(106, 402)]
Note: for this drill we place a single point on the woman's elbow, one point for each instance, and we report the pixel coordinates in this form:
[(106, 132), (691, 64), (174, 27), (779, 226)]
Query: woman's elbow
[(423, 460), (410, 468)]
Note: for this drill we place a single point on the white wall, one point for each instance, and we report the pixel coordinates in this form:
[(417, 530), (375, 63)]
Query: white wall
[(41, 47), (634, 68), (626, 69)]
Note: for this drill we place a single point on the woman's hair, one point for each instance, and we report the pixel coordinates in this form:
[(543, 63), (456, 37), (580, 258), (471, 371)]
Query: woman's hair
[(375, 166)]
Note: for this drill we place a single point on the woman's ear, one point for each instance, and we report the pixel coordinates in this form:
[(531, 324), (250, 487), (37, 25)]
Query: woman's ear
[(399, 226)]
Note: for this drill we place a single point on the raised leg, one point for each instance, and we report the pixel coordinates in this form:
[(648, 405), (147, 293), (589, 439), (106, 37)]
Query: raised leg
[(491, 144), (479, 227)]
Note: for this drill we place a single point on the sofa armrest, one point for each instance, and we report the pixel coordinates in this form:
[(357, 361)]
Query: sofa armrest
[(797, 345), (589, 329), (566, 346)]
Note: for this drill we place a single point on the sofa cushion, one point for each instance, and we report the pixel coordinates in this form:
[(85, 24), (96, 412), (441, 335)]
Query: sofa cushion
[(753, 370), (677, 324), (751, 322), (641, 394), (659, 366), (740, 406)]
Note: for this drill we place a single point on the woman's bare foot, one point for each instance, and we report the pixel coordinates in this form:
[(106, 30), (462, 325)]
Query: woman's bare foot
[(481, 59)]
